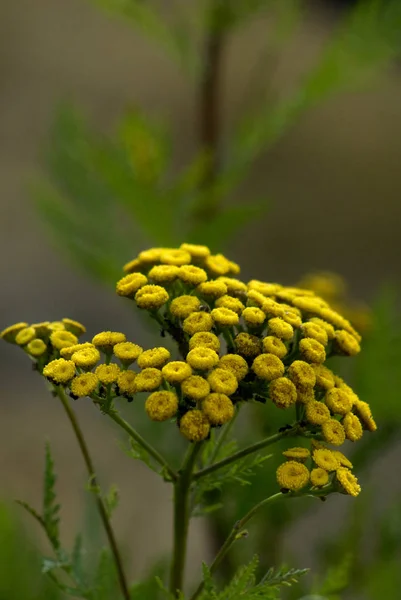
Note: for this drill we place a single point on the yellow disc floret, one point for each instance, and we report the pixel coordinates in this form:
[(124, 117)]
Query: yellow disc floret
[(283, 392), (60, 370), (225, 317), (25, 335), (278, 327), (253, 316), (217, 264), (195, 387), (324, 377), (268, 367), (84, 385), (326, 459), (234, 363), (298, 453), (63, 339), (126, 382), (248, 345), (148, 380), (197, 322), (338, 401), (329, 329), (70, 350), (156, 357), (231, 303), (319, 477), (316, 412), (127, 352), (151, 297), (130, 284), (333, 432), (213, 289), (161, 406), (202, 358), (176, 372), (273, 345), (364, 413), (106, 340), (302, 374), (205, 338), (352, 427), (315, 331), (223, 381), (292, 475), (86, 358), (312, 350), (163, 273), (107, 374), (36, 347), (234, 286), (9, 333), (74, 326), (183, 306), (218, 408), (195, 250), (348, 482), (175, 257), (192, 275), (346, 343), (195, 426)]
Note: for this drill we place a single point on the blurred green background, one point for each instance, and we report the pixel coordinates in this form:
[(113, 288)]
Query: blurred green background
[(109, 122)]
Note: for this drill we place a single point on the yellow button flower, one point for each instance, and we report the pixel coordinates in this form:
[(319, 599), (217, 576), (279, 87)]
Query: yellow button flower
[(70, 350), (225, 317), (353, 427), (217, 264), (63, 339), (202, 358), (312, 350), (84, 385), (183, 306), (234, 286), (205, 338), (234, 363), (315, 331), (163, 273), (8, 334), (195, 426), (156, 357), (342, 459), (212, 289), (25, 335), (365, 415), (257, 299), (291, 317), (248, 345), (36, 347), (268, 367), (223, 381), (333, 432), (266, 289), (74, 326), (298, 453), (338, 401), (43, 329), (218, 408), (151, 297), (132, 266), (176, 371), (126, 382), (106, 340), (161, 406), (348, 482), (175, 257), (150, 256), (319, 477), (302, 374), (324, 377), (273, 345), (316, 412), (148, 380), (278, 327), (326, 459), (231, 303), (283, 392), (60, 370), (272, 308), (108, 374), (127, 352), (329, 329), (130, 284), (56, 326), (197, 322), (192, 275), (338, 321), (86, 358), (195, 387), (346, 344), (292, 475), (309, 304), (253, 316), (306, 395), (195, 250)]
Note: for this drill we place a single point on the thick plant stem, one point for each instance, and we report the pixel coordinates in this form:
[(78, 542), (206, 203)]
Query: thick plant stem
[(249, 450), (235, 534), (181, 519), (100, 504)]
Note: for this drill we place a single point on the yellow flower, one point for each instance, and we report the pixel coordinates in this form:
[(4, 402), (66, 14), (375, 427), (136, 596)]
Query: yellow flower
[(273, 345), (338, 321), (302, 374), (127, 352), (148, 380), (234, 363), (214, 289), (176, 371), (225, 317), (84, 385), (56, 326), (319, 477), (253, 316), (156, 357), (309, 304), (218, 408), (183, 306), (338, 401), (259, 299), (126, 382), (163, 273), (197, 322), (291, 318), (272, 308), (268, 367), (234, 286), (297, 453), (25, 335), (283, 392), (36, 347), (202, 358), (151, 297), (231, 303), (316, 412), (195, 250), (130, 284), (63, 339), (175, 257), (278, 327), (223, 381), (329, 329), (235, 269), (132, 266), (8, 334), (345, 343), (333, 432), (306, 395), (195, 426), (195, 387), (74, 326), (60, 370), (267, 289), (86, 358), (192, 275), (106, 340), (353, 427), (217, 264), (292, 475), (108, 374), (205, 338), (315, 331), (151, 256), (312, 350), (365, 414), (348, 482), (42, 329), (161, 406), (248, 345), (326, 459), (70, 350), (324, 377), (342, 459)]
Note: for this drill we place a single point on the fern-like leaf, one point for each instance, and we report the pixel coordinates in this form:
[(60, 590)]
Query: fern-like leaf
[(51, 508)]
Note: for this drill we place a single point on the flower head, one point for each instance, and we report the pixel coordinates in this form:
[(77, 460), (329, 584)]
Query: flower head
[(253, 316), (352, 427), (9, 333), (108, 374), (130, 284), (333, 432), (316, 412), (127, 352), (202, 358), (126, 382), (86, 358), (312, 350), (234, 286), (63, 339), (302, 374), (234, 363), (68, 351), (346, 343), (163, 274), (161, 406), (364, 413), (283, 392), (197, 322), (338, 401), (225, 317), (223, 381), (74, 326), (205, 338), (106, 340), (278, 327), (298, 453), (156, 357), (315, 331), (342, 459), (84, 385), (329, 329), (348, 482), (36, 347), (195, 426), (25, 335), (268, 367), (266, 289), (176, 372), (192, 275), (218, 408), (195, 250), (59, 370), (43, 329), (175, 257), (213, 289), (326, 459), (231, 303), (292, 475), (151, 297), (319, 477), (195, 387), (248, 345), (217, 264), (132, 266), (324, 377), (148, 380), (183, 306), (273, 345)]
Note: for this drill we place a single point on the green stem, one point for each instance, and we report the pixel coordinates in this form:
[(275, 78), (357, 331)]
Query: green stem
[(249, 450), (181, 519), (223, 436), (99, 501), (235, 534), (138, 438)]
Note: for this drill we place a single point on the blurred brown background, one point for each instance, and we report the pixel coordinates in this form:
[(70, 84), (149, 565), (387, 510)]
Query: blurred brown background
[(334, 183)]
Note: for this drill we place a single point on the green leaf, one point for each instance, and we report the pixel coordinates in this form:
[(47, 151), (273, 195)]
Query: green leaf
[(105, 581), (32, 512), (51, 508), (112, 499)]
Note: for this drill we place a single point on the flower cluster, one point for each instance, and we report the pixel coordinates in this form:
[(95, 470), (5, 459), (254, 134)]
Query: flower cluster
[(238, 341)]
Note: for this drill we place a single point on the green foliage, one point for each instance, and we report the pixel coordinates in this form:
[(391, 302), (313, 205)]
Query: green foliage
[(337, 578), (50, 508)]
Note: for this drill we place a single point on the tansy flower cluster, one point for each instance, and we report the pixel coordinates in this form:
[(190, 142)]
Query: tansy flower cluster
[(237, 342)]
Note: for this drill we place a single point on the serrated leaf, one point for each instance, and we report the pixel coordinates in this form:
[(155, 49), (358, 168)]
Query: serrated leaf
[(51, 508)]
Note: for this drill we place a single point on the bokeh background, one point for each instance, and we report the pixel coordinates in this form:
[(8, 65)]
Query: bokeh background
[(331, 183)]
